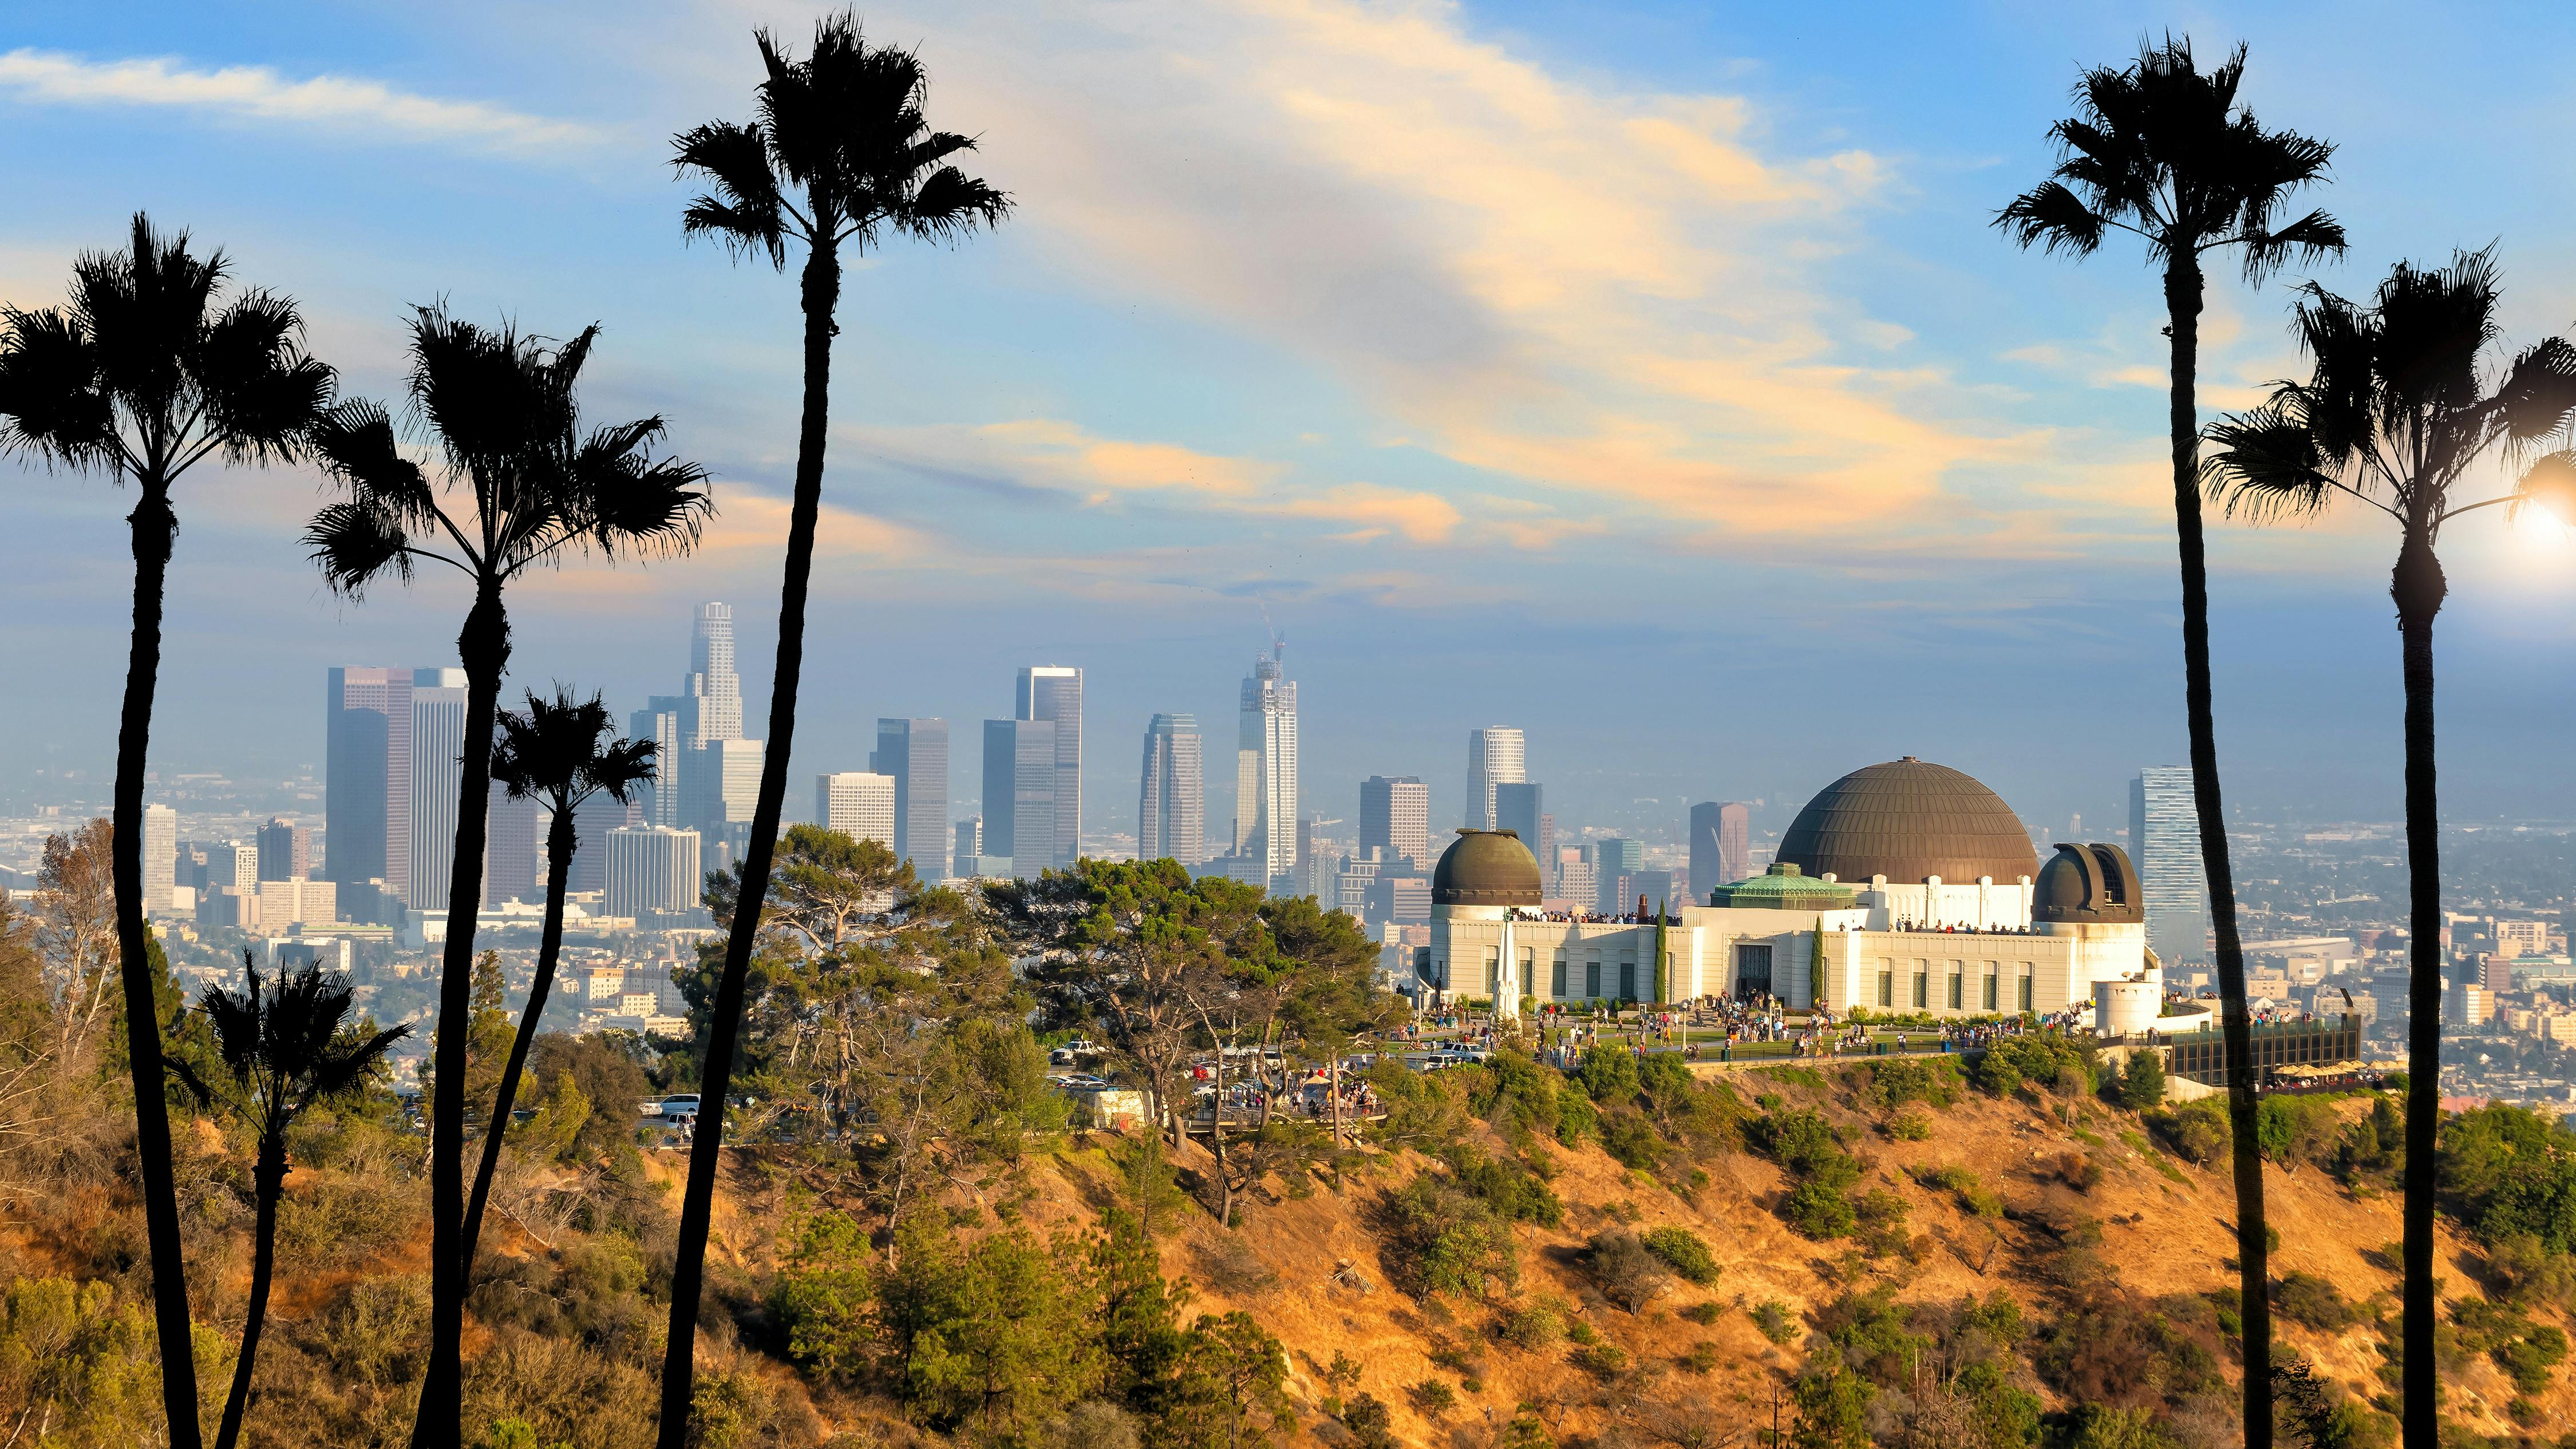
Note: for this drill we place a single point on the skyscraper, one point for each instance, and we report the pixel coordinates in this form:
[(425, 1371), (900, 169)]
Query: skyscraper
[(511, 859), (1265, 766), (1518, 807), (1615, 862), (285, 851), (1720, 846), (1053, 693), (714, 688), (160, 857), (2164, 836), (860, 806), (722, 784), (1171, 800), (1020, 778), (969, 846), (437, 772), (366, 812), (592, 821), (652, 870), (659, 721), (1395, 818), (1495, 756), (915, 753)]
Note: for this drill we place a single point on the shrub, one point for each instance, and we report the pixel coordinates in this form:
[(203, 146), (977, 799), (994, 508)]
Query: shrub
[(1819, 1210), (1686, 1251), (1370, 1422), (1704, 1313), (2078, 1171), (2308, 1299), (1507, 1185), (1535, 1324), (2054, 1061), (1701, 1359), (1771, 1316), (1630, 1274), (1608, 1073), (1964, 1184), (1443, 1240), (1432, 1397), (1895, 1081), (1910, 1127), (2142, 1080), (2529, 1359), (2295, 1129), (1602, 1360), (1631, 1140), (2198, 1132)]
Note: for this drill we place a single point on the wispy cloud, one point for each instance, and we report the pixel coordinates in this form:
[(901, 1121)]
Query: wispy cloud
[(257, 92)]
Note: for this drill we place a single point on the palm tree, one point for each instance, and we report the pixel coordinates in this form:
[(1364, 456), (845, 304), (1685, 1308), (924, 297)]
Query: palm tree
[(2161, 150), (143, 374), (2398, 408), (563, 752), (285, 1046), (499, 409), (839, 157)]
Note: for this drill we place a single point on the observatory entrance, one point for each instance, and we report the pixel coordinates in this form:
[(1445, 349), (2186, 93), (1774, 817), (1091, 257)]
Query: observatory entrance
[(1752, 971)]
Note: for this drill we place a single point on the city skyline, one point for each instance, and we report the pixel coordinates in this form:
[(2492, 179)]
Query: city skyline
[(1055, 471)]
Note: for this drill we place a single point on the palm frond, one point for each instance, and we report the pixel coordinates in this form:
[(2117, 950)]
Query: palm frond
[(2313, 238), (52, 404), (2053, 219), (2264, 464), (2550, 485), (744, 211), (146, 307), (636, 503), (262, 391), (949, 204), (2538, 396)]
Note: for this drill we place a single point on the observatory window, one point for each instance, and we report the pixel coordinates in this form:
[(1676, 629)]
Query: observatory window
[(1556, 986), (1922, 985), (1592, 978), (1627, 978), (2025, 986), (1887, 988), (1526, 983), (1493, 968), (1990, 986), (1956, 982)]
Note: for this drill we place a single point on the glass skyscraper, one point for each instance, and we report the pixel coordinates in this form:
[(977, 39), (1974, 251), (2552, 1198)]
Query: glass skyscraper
[(1052, 694), (915, 753), (1395, 819), (1019, 794), (1265, 767), (1171, 801), (2164, 838), (1496, 755)]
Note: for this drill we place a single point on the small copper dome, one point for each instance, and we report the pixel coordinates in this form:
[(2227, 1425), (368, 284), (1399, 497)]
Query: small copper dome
[(1486, 868), (2088, 884)]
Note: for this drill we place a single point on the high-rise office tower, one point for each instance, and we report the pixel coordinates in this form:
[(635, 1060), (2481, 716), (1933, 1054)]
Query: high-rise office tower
[(1395, 819), (592, 820), (1720, 846), (970, 846), (860, 806), (713, 686), (1171, 800), (915, 753), (723, 784), (1053, 693), (1495, 756), (2164, 836), (285, 851), (1575, 880), (160, 857), (652, 870), (511, 859), (1020, 776), (1518, 807), (659, 721), (437, 773), (366, 812), (1614, 862), (1265, 766)]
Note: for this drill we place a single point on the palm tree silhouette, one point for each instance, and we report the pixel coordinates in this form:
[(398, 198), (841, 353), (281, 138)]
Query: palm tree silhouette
[(563, 752), (2398, 407), (2161, 150), (285, 1046), (499, 409), (143, 374), (840, 156)]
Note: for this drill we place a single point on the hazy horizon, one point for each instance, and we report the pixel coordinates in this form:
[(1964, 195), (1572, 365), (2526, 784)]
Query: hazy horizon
[(1646, 380)]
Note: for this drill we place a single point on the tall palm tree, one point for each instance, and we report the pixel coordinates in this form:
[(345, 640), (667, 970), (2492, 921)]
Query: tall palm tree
[(2161, 150), (145, 372), (2398, 408), (286, 1045), (839, 157), (563, 752), (528, 486)]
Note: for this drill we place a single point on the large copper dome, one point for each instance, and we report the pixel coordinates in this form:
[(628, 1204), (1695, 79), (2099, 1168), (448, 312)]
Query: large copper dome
[(1909, 820), (1486, 868)]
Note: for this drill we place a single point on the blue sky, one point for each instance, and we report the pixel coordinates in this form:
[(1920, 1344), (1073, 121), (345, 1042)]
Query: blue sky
[(1646, 376)]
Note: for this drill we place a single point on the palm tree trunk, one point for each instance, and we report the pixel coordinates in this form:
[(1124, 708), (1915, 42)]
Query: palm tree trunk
[(484, 646), (2419, 589), (154, 527), (822, 294), (269, 1179), (2182, 306), (561, 839)]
